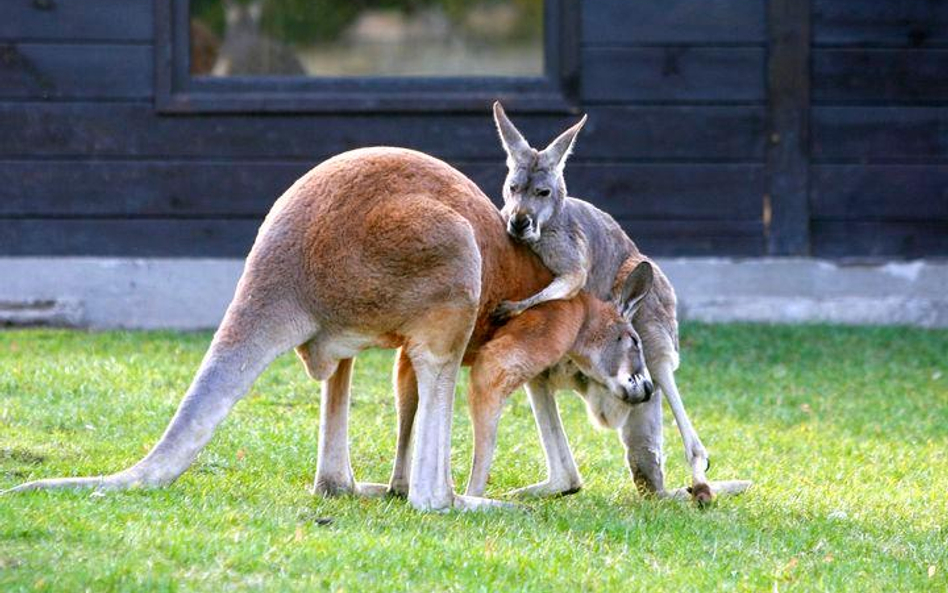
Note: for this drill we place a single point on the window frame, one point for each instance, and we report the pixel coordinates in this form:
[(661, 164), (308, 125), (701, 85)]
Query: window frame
[(556, 90)]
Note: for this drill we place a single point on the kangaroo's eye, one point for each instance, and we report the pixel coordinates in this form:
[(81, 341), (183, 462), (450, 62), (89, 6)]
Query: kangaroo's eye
[(514, 187), (543, 193)]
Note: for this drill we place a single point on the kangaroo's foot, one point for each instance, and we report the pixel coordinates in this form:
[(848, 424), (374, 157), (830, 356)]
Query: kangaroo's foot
[(332, 488), (547, 488), (477, 503), (398, 488), (458, 502)]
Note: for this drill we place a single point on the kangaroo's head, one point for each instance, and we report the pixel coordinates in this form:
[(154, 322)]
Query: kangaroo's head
[(243, 16), (608, 350), (535, 189)]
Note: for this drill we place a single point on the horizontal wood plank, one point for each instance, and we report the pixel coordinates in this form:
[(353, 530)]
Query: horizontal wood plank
[(672, 21), (654, 191), (177, 189), (183, 189), (868, 23), (134, 130), (90, 20), (879, 134), (44, 71), (125, 237), (833, 238), (672, 238), (673, 74), (233, 237), (879, 192), (879, 76)]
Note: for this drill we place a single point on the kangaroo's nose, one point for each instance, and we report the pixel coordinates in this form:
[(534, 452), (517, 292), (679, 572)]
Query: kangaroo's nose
[(520, 224), (648, 388)]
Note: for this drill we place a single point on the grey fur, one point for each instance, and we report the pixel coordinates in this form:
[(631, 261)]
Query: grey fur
[(585, 248)]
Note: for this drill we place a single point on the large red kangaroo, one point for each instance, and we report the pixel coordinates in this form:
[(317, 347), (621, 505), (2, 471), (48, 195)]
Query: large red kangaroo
[(384, 247)]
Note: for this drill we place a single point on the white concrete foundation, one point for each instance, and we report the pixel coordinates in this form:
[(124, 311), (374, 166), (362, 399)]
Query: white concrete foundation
[(104, 293)]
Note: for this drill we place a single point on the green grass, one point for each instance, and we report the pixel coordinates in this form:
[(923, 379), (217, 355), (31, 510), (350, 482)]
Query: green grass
[(844, 431)]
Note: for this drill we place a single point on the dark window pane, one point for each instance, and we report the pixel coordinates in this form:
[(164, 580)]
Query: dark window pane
[(366, 37)]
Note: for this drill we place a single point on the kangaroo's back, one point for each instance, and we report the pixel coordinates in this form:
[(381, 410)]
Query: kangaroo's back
[(363, 228), (375, 247), (615, 256)]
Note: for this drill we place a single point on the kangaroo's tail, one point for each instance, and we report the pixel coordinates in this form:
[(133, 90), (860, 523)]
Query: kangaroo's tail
[(246, 342)]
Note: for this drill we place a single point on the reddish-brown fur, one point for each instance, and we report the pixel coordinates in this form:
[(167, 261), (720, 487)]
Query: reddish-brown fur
[(376, 247), (338, 244), (502, 356)]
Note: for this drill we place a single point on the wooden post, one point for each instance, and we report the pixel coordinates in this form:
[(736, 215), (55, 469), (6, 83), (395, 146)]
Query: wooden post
[(786, 209)]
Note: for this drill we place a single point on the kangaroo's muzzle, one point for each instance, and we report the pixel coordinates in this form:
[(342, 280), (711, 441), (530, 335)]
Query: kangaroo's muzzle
[(637, 389), (520, 226)]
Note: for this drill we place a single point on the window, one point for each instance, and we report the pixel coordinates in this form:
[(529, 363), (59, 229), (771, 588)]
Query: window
[(365, 55)]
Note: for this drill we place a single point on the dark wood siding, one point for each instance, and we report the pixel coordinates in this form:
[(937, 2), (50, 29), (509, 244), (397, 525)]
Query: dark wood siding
[(878, 182), (679, 146)]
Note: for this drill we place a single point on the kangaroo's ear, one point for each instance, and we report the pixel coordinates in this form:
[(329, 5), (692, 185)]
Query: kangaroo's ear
[(255, 10), (635, 288), (554, 155), (514, 142), (231, 12)]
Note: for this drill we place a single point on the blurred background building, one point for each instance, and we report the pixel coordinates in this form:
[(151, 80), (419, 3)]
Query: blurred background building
[(786, 159)]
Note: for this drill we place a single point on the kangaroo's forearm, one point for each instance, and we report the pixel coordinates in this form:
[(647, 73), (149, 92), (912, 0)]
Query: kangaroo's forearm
[(563, 287)]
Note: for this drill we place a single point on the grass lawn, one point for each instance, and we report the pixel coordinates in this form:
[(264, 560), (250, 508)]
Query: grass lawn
[(843, 430)]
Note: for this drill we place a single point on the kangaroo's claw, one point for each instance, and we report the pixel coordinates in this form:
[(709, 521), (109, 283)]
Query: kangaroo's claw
[(506, 310)]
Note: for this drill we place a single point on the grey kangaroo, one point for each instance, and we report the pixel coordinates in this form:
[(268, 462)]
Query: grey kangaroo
[(569, 235), (247, 50)]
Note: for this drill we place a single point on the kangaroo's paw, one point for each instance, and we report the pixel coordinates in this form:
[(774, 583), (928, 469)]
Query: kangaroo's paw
[(507, 310), (717, 488), (547, 488), (701, 493), (694, 451)]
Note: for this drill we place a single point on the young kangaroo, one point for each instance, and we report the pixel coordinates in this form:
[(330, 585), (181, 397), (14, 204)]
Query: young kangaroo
[(386, 247), (586, 249), (247, 50)]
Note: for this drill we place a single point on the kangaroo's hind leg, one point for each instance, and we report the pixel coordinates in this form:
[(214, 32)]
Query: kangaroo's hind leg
[(562, 474), (406, 402), (521, 350), (333, 468), (436, 347)]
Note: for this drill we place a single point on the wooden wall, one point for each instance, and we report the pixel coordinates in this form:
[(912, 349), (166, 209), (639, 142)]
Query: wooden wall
[(879, 181), (683, 97)]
